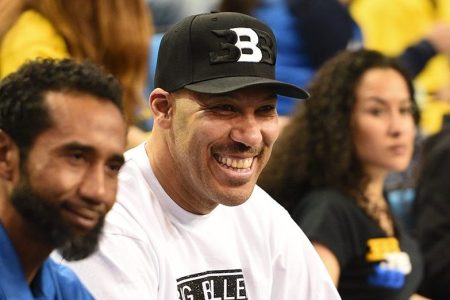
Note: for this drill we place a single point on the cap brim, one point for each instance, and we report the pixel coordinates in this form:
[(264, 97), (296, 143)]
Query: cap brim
[(229, 84)]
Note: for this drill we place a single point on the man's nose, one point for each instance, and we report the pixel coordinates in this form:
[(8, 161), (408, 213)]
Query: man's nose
[(247, 131), (94, 185)]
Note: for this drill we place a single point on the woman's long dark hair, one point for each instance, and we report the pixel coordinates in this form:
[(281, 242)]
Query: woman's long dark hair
[(316, 149)]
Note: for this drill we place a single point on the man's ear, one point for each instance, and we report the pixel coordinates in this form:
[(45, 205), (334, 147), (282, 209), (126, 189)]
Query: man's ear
[(9, 157), (162, 105)]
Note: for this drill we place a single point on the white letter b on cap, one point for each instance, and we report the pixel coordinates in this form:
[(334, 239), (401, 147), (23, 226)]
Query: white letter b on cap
[(256, 54)]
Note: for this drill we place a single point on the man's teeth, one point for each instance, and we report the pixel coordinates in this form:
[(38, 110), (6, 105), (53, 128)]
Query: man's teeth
[(236, 163)]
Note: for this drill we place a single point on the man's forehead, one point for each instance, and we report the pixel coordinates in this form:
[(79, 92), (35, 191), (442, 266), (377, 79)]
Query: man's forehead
[(60, 104), (61, 99), (75, 103), (86, 118)]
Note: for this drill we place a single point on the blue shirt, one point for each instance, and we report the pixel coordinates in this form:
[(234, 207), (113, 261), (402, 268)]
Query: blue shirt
[(53, 281)]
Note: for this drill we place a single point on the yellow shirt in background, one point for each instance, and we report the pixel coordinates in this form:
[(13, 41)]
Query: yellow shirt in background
[(390, 26), (32, 36)]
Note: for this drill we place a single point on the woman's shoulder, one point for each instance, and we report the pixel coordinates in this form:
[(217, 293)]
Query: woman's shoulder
[(32, 18), (31, 36), (327, 199), (328, 195)]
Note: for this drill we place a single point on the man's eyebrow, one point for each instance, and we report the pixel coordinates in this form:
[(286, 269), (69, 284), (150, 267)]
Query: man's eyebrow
[(77, 146)]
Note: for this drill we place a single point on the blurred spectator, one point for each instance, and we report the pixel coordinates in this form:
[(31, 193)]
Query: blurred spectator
[(328, 169), (418, 33), (432, 211), (391, 26), (114, 34), (168, 12)]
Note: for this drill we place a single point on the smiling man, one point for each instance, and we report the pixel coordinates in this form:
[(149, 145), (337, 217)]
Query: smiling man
[(62, 135), (190, 222)]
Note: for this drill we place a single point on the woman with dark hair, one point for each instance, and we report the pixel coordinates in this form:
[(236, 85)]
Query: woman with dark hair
[(328, 169), (114, 34)]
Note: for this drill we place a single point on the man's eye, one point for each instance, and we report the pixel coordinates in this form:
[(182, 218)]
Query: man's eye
[(76, 157), (114, 167), (223, 108), (226, 107), (267, 109)]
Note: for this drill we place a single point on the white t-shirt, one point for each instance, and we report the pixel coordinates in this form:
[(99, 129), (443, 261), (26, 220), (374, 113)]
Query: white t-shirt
[(153, 249)]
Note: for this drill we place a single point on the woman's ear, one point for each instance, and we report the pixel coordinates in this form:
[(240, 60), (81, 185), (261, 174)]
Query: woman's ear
[(9, 157), (161, 104)]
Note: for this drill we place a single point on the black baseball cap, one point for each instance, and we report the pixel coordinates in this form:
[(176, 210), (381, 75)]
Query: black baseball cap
[(220, 52)]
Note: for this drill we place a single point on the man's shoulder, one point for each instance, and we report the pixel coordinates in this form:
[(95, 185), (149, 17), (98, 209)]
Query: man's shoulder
[(135, 174), (66, 281), (262, 208), (137, 207), (260, 201), (135, 160), (64, 275), (263, 198)]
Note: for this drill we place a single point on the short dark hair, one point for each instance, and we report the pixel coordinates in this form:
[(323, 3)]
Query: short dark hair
[(24, 114)]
